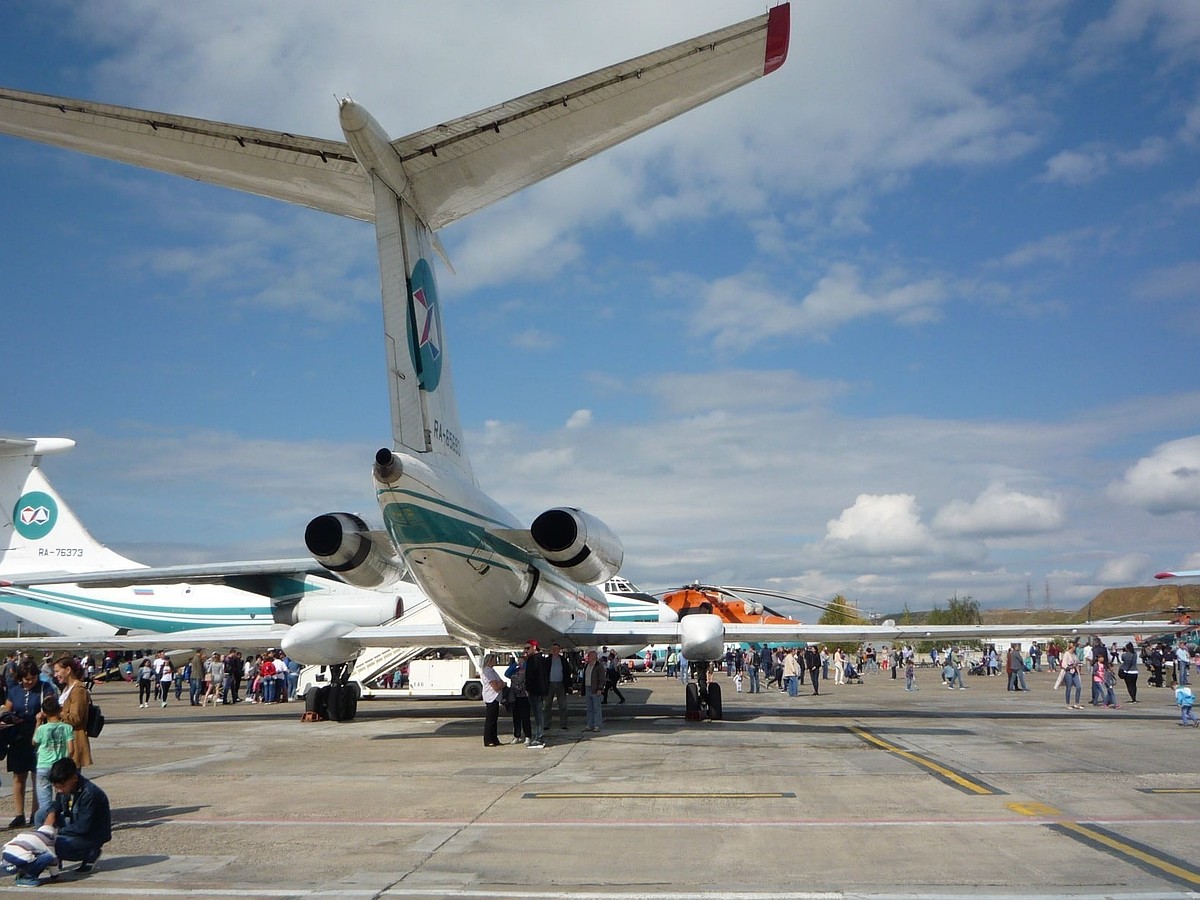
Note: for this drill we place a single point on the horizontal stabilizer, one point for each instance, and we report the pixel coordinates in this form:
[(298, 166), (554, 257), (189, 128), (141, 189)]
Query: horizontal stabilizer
[(311, 172), (452, 169)]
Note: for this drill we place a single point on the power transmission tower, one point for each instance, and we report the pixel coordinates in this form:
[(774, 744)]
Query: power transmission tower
[(1028, 598), (1048, 603)]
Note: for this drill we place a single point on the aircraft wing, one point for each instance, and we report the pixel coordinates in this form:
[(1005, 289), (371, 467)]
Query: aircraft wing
[(234, 574), (597, 633), (454, 168), (207, 638), (1184, 573)]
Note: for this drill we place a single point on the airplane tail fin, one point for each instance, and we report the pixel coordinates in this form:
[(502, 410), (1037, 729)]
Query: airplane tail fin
[(421, 385), (39, 534)]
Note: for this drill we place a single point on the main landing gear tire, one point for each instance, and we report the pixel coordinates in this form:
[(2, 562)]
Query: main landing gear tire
[(715, 710), (342, 699), (693, 702)]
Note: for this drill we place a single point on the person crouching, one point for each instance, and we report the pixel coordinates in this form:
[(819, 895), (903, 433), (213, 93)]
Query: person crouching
[(32, 853)]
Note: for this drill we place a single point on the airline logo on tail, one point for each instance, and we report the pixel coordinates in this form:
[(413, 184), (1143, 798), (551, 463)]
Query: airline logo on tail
[(34, 515), (425, 326)]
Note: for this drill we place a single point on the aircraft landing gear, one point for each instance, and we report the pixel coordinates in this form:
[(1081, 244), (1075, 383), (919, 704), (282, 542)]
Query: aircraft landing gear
[(703, 697), (336, 701)]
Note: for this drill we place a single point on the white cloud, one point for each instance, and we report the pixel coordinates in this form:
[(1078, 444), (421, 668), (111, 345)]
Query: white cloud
[(740, 389), (1076, 167), (999, 512), (887, 525), (581, 418), (740, 314), (534, 339), (1167, 481), (1122, 569), (1179, 281)]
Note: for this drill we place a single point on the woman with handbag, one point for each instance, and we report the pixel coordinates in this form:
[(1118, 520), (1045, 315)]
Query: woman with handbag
[(75, 702)]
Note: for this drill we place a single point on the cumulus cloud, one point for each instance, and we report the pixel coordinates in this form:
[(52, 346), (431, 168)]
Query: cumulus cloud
[(881, 525), (999, 512), (1166, 481)]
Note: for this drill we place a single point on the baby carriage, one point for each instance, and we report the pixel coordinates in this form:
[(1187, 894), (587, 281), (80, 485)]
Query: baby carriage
[(851, 674), (980, 668)]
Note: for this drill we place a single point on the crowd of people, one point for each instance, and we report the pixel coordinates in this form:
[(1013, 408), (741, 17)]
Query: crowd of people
[(44, 727), (523, 689), (270, 677)]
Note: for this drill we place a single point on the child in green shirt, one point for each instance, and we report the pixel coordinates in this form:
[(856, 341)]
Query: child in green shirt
[(53, 739)]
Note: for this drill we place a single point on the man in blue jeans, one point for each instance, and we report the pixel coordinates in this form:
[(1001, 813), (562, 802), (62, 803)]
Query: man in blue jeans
[(80, 812)]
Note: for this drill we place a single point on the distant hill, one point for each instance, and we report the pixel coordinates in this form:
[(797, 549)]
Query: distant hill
[(1157, 602)]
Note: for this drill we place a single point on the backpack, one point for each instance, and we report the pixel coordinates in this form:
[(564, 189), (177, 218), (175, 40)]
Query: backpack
[(95, 721)]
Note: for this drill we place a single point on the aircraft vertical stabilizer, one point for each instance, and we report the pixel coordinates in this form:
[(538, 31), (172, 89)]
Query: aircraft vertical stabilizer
[(39, 533), (424, 409)]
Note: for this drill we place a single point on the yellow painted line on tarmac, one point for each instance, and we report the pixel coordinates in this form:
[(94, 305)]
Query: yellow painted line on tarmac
[(1141, 855), (1033, 809), (956, 779), (1170, 790), (659, 795)]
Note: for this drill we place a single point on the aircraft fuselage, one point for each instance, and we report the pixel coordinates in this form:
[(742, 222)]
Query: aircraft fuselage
[(491, 593)]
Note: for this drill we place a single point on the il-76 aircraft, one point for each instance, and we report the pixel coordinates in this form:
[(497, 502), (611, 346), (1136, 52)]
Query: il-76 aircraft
[(56, 575), (496, 582)]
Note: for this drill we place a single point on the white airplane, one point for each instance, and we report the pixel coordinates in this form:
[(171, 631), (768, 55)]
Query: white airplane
[(496, 583), (54, 574)]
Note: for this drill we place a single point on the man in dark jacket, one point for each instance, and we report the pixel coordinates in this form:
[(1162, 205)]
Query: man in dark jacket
[(561, 676), (80, 812), (537, 685), (812, 662)]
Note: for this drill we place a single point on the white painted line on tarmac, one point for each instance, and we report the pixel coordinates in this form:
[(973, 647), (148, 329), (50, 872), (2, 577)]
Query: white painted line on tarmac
[(659, 823)]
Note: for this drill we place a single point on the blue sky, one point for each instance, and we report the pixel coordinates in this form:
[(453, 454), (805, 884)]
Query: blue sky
[(914, 316)]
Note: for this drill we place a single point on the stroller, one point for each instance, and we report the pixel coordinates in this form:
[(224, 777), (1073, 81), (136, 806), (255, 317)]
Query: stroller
[(851, 674)]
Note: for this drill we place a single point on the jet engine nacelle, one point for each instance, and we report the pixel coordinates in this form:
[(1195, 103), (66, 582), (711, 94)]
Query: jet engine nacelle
[(365, 609), (343, 544), (577, 543), (320, 643), (702, 637)]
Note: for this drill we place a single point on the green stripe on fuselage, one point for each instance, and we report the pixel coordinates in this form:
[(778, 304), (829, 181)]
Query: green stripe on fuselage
[(414, 526), (135, 616)]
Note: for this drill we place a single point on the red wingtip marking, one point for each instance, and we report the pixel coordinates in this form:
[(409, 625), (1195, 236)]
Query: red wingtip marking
[(1165, 575), (779, 30)]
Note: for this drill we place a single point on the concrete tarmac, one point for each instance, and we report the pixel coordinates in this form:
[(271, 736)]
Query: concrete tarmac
[(864, 791)]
